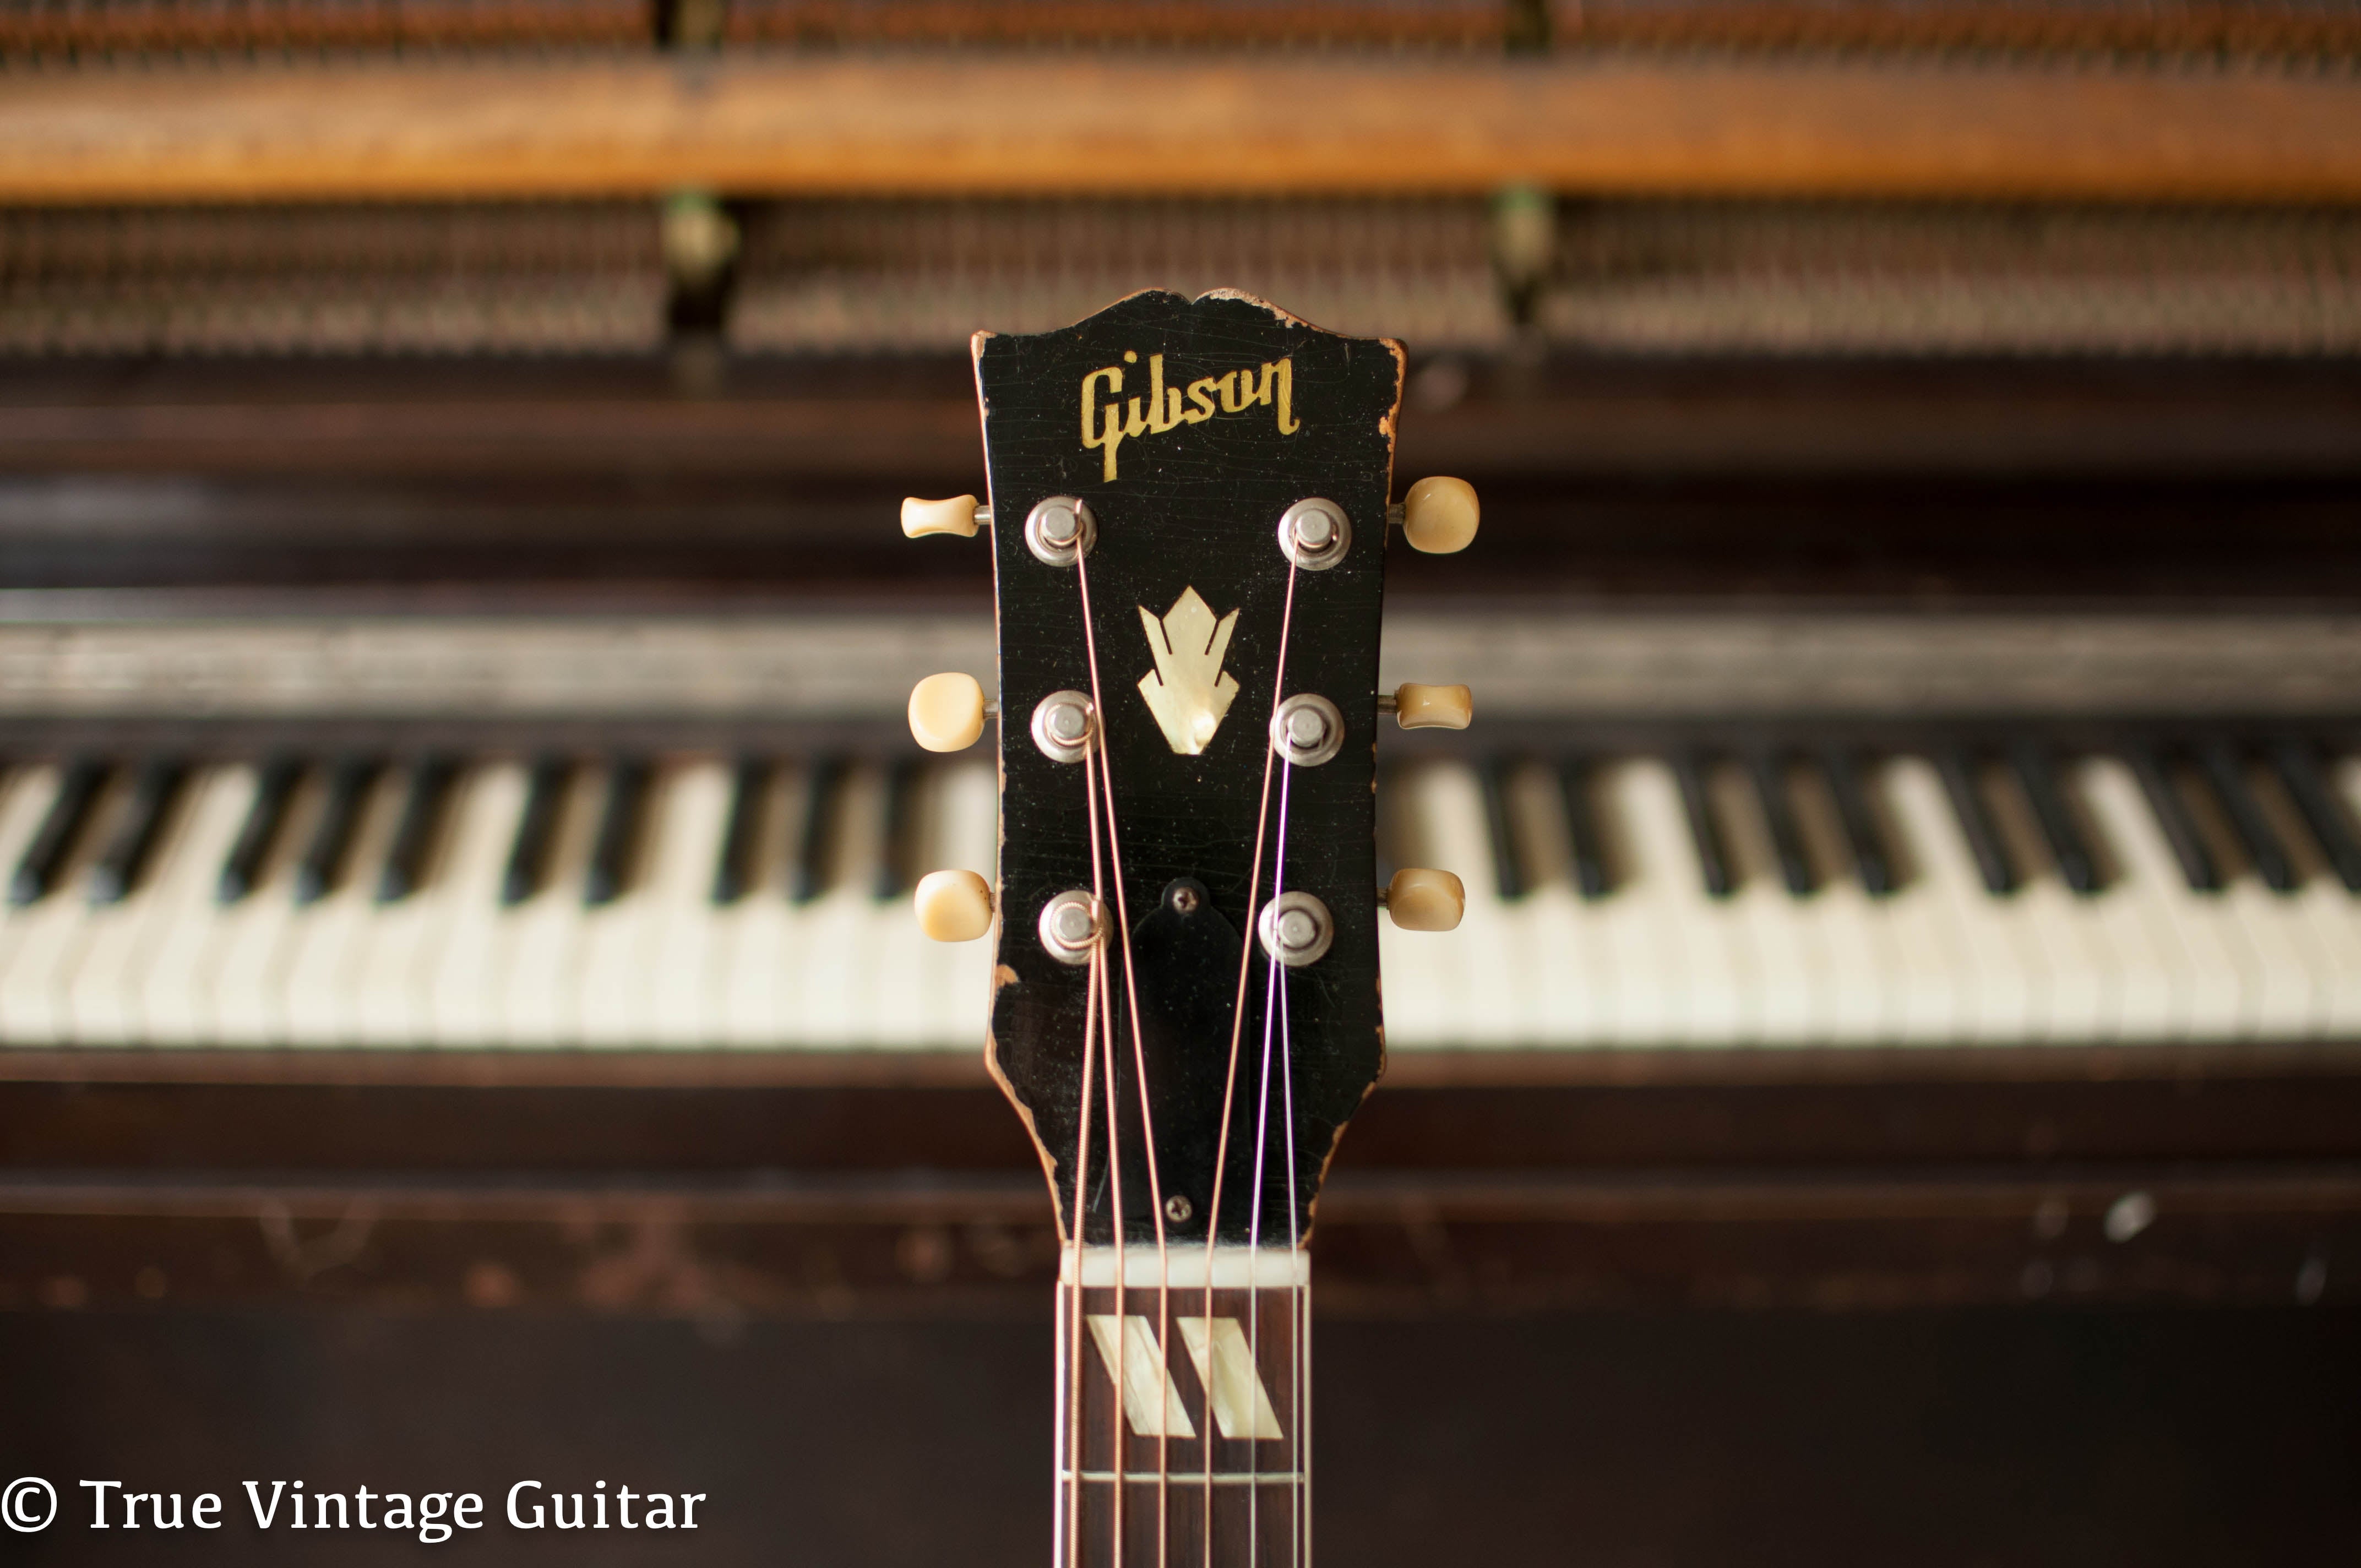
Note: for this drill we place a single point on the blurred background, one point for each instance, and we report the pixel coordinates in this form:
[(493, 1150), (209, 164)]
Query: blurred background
[(1894, 1094)]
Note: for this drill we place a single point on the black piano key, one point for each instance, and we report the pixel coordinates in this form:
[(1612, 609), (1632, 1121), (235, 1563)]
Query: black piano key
[(413, 837), (274, 787), (323, 865), (1713, 864), (61, 830), (120, 864), (1584, 847), (897, 847), (616, 849), (1779, 815), (1507, 860), (1959, 774), (2225, 769), (2036, 775), (807, 871), (733, 874), (2298, 765), (537, 834), (2197, 867), (1872, 863)]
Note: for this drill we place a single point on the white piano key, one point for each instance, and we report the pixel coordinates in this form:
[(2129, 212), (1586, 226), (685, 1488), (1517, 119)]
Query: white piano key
[(2165, 981), (2222, 982), (540, 988), (755, 944), (243, 999), (905, 960), (1863, 1003), (35, 981), (2304, 945), (174, 976), (831, 937), (466, 980), (618, 937), (1993, 990), (1717, 982), (328, 938), (2083, 977), (963, 835), (1572, 972), (1937, 978), (1478, 962), (683, 1001), (24, 797), (394, 990), (173, 903), (1795, 978)]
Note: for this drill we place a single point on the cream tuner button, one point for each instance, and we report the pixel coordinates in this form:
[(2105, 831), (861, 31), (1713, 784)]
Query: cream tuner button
[(1416, 707), (1438, 516), (957, 515), (953, 906), (1424, 900), (946, 712)]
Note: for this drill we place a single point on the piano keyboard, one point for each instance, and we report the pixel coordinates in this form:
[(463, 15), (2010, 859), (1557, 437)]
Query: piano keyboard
[(1951, 899), (510, 903), (2194, 893)]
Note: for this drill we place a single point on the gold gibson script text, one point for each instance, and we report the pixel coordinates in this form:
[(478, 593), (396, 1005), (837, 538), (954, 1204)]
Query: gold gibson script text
[(1106, 426)]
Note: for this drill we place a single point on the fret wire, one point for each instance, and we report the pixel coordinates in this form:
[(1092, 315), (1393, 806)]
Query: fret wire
[(1220, 1478)]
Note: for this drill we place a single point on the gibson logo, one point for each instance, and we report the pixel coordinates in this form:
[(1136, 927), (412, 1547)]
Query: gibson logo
[(1106, 426)]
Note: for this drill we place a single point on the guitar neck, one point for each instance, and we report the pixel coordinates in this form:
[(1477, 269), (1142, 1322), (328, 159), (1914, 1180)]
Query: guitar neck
[(1184, 1408)]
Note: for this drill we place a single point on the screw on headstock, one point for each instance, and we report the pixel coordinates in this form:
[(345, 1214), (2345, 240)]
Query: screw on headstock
[(1177, 1209), (1060, 530), (1315, 533)]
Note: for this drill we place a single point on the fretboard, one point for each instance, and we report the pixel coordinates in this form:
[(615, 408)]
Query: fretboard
[(1199, 1451)]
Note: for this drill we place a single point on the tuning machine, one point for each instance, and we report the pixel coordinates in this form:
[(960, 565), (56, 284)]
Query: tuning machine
[(961, 515), (1073, 925), (1437, 516), (953, 906), (948, 711), (1423, 900), (1416, 707)]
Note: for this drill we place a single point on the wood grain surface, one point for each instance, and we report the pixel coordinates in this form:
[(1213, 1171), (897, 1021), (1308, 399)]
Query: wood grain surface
[(788, 126)]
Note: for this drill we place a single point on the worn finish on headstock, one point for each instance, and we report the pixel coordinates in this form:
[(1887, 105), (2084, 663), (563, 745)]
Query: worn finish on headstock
[(1259, 411)]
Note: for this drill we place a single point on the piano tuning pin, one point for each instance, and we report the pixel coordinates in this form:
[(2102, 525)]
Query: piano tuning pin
[(1420, 899), (953, 906), (946, 712), (1417, 707), (959, 515), (1438, 516)]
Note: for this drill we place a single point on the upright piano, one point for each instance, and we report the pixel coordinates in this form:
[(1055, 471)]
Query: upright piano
[(455, 805)]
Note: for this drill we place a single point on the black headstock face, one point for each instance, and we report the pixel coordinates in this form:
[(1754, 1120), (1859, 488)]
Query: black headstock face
[(1188, 428)]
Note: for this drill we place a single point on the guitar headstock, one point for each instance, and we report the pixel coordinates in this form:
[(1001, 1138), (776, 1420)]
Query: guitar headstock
[(1189, 514)]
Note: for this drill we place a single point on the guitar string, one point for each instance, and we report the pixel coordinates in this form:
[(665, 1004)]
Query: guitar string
[(1101, 1005), (1237, 1025), (1298, 1297), (1122, 1466), (1139, 1069), (1273, 1016), (1075, 1361)]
